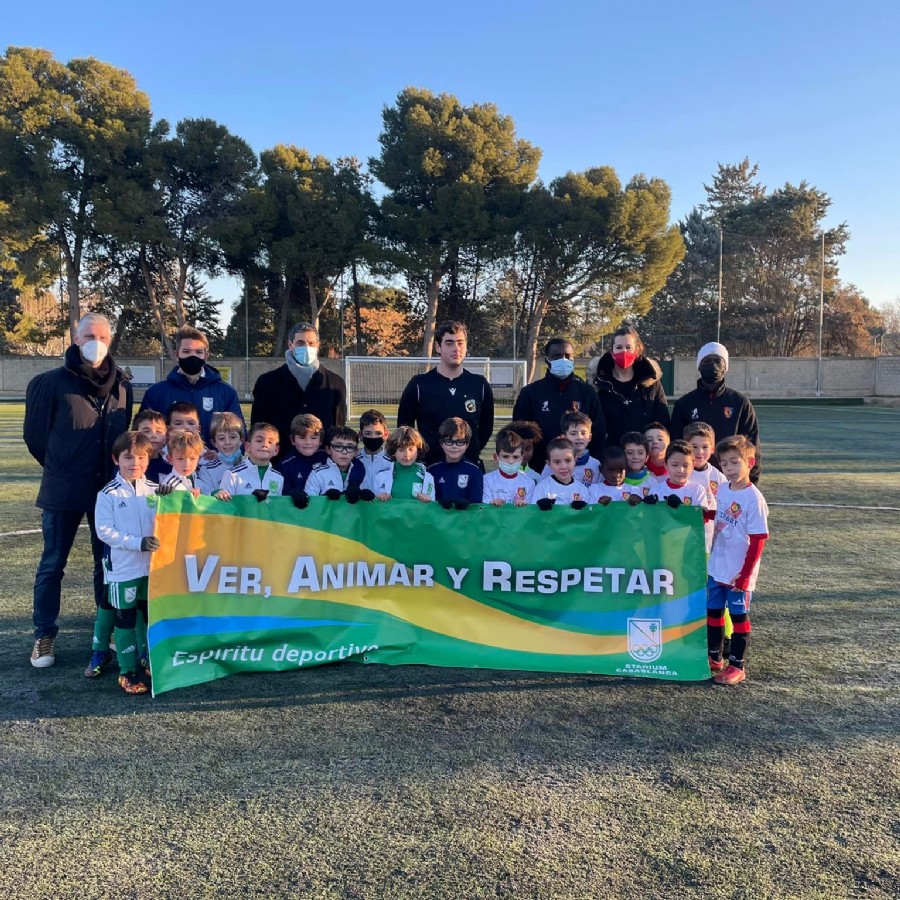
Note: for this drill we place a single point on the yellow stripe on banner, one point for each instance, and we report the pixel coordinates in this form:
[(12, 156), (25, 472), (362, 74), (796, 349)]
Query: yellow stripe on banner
[(274, 548)]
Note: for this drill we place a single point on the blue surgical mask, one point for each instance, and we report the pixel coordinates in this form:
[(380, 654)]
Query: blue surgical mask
[(306, 356), (230, 458), (562, 368), (508, 468)]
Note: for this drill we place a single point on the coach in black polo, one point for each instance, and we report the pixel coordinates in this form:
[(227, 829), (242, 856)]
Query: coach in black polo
[(449, 390)]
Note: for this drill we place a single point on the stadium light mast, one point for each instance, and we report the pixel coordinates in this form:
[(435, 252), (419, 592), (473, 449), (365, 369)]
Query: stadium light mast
[(821, 317), (719, 317)]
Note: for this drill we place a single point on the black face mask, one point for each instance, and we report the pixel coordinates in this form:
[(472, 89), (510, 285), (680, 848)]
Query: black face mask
[(712, 369), (190, 365), (373, 445)]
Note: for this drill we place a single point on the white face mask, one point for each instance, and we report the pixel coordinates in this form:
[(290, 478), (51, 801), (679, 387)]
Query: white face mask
[(94, 352), (508, 468), (306, 356)]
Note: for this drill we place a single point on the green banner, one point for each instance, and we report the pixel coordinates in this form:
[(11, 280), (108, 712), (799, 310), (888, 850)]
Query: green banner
[(253, 587)]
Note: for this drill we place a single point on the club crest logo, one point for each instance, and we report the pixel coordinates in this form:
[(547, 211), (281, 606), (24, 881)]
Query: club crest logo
[(520, 493), (576, 406), (714, 487), (462, 481), (735, 509), (686, 501), (645, 490), (588, 476), (471, 406), (207, 404), (131, 595), (728, 412), (645, 639)]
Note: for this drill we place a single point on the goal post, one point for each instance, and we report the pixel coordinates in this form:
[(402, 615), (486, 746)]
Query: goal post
[(379, 381)]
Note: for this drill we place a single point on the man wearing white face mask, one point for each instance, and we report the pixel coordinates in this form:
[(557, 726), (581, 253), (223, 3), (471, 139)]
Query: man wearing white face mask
[(301, 385), (73, 415), (560, 390)]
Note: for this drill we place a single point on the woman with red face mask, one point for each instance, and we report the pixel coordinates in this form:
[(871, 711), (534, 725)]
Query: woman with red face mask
[(629, 386)]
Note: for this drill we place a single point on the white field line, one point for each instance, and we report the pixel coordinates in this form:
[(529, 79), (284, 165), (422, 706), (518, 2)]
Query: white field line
[(26, 531), (830, 506)]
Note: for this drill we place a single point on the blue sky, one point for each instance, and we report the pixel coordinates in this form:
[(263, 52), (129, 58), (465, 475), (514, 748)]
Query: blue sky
[(811, 91)]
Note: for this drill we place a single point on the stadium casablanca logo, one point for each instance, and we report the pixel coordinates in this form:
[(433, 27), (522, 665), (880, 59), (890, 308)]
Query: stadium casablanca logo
[(645, 639)]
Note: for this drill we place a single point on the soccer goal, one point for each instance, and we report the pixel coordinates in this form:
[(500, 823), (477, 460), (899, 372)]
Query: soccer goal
[(379, 381)]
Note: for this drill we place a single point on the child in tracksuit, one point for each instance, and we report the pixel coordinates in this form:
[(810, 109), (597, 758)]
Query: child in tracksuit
[(124, 518)]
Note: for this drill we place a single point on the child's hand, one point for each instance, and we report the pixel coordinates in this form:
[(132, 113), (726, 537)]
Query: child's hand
[(222, 495), (260, 494), (150, 543), (633, 500), (383, 497), (301, 499), (545, 504), (497, 501), (195, 492), (604, 501), (423, 498), (578, 504), (165, 489)]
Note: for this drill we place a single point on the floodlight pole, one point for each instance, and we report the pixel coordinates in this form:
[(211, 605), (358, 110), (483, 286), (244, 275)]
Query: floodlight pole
[(821, 318), (719, 318), (515, 308), (247, 337)]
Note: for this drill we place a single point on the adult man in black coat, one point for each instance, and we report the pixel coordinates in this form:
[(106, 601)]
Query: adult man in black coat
[(73, 414), (727, 411), (301, 385), (559, 391)]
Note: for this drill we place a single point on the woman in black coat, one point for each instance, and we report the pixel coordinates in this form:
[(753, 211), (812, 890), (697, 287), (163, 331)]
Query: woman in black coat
[(629, 386)]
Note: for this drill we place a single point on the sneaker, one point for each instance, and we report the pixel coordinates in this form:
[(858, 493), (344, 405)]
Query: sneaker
[(131, 684), (100, 659), (731, 675), (716, 665), (42, 654)]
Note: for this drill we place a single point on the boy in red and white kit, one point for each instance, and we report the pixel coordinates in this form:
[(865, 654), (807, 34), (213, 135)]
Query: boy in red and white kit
[(609, 489), (702, 439), (740, 533), (677, 488), (657, 440), (561, 487), (508, 483)]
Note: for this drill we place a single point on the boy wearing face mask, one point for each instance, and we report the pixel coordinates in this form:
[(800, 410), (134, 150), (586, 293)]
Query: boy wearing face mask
[(508, 483), (194, 380), (727, 411), (374, 432), (560, 391)]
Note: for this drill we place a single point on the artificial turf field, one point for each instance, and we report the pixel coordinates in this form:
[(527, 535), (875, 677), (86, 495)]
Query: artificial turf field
[(366, 782)]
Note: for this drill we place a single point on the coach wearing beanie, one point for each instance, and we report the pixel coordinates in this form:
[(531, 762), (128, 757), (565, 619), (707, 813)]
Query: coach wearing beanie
[(726, 410)]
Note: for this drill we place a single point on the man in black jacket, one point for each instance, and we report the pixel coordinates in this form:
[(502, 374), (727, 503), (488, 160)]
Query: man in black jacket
[(727, 411), (301, 385), (449, 391), (559, 391), (73, 415)]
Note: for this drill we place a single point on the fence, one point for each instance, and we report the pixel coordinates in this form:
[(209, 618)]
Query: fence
[(760, 377)]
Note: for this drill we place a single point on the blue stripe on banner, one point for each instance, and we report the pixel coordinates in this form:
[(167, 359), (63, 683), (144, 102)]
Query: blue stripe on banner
[(674, 612), (168, 628)]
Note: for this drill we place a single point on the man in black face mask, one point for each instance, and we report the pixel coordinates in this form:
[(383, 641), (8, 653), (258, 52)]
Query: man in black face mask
[(726, 410), (193, 380)]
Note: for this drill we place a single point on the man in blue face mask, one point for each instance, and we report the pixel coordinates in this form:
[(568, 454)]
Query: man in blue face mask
[(559, 391), (301, 385)]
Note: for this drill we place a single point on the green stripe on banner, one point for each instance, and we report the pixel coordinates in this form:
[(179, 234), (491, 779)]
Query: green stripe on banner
[(247, 586)]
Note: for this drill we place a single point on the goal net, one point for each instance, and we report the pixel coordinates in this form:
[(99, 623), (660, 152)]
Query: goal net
[(379, 381)]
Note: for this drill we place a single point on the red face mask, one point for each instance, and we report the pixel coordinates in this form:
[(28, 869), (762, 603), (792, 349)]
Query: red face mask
[(624, 359)]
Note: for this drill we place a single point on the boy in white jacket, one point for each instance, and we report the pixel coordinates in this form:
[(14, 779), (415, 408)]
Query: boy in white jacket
[(124, 518)]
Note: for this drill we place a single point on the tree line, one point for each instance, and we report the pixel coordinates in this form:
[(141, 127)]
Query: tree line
[(125, 214)]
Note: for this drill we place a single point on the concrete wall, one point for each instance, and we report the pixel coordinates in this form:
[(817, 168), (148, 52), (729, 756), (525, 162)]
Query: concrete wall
[(787, 377), (757, 377)]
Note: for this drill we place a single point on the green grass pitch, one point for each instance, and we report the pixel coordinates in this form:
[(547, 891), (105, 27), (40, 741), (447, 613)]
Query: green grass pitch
[(369, 782)]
